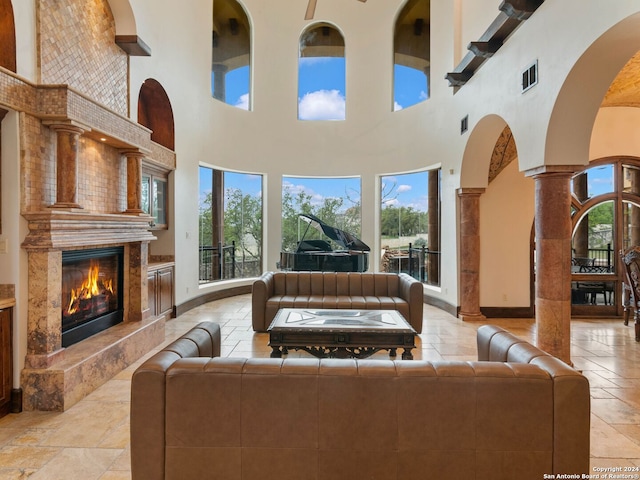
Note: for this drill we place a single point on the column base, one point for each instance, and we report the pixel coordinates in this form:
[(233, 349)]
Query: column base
[(66, 206), (471, 317)]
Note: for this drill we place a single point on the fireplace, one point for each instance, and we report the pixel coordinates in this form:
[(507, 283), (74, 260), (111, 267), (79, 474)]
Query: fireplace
[(92, 292)]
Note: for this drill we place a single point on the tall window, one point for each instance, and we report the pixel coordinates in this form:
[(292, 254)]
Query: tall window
[(321, 74), (231, 54), (335, 201), (412, 57), (410, 224), (230, 236)]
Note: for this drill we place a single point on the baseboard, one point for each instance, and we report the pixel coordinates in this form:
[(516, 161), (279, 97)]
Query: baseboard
[(16, 400), (441, 304), (508, 312), (210, 297)]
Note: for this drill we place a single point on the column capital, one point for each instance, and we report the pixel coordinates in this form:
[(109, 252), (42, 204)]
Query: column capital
[(66, 126), (553, 169), (470, 191), (133, 153)]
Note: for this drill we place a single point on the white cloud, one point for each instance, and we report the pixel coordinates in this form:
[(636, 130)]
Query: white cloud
[(423, 95), (397, 106), (313, 61), (243, 102), (404, 188), (392, 202), (322, 105)]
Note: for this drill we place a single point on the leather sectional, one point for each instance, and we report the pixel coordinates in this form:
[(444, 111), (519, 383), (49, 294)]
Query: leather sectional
[(518, 413)]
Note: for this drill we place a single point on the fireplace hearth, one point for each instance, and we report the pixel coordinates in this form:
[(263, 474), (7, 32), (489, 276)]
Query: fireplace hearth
[(92, 286)]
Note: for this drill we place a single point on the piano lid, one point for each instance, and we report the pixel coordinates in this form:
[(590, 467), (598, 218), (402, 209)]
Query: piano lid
[(342, 238)]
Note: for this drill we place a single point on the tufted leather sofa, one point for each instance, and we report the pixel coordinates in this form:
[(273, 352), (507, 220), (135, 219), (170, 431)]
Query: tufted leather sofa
[(520, 413), (366, 291)]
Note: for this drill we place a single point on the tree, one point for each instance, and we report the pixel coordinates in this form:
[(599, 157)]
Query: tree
[(243, 222)]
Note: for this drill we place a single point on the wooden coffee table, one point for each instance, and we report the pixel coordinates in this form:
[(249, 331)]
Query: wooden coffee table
[(340, 333)]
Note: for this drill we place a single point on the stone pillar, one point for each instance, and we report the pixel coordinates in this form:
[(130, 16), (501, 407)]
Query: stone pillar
[(553, 259), (44, 317), (134, 182), (136, 269), (219, 85), (470, 254), (67, 164)]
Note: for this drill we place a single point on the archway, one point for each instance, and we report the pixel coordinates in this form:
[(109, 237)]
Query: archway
[(7, 36), (501, 220), (155, 113)]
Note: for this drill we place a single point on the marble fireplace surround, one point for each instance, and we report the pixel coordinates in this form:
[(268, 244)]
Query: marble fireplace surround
[(55, 378)]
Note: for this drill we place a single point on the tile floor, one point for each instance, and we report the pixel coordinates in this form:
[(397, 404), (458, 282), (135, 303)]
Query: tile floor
[(91, 439)]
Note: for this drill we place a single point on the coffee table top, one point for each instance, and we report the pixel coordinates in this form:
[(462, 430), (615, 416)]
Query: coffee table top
[(315, 319)]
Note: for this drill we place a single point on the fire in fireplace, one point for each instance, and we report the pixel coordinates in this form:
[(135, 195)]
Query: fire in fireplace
[(92, 283)]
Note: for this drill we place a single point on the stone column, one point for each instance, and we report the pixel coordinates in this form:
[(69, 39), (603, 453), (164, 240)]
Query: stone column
[(136, 269), (44, 319), (470, 254), (67, 164), (553, 259), (134, 182)]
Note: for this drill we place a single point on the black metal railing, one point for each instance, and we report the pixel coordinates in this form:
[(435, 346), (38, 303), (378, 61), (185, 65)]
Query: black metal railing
[(223, 262), (217, 262), (420, 263)]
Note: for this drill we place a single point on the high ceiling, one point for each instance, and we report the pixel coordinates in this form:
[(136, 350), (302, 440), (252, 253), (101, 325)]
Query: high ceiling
[(625, 88)]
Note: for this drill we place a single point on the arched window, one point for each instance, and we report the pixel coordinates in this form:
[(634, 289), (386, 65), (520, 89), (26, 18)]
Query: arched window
[(321, 74), (411, 54), (231, 54), (606, 219)]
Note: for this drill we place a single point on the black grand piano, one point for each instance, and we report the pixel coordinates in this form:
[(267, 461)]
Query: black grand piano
[(316, 252)]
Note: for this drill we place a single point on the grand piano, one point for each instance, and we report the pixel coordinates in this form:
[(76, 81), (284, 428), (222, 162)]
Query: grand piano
[(315, 250)]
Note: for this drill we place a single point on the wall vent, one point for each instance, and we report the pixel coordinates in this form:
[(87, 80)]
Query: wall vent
[(464, 124), (530, 77)]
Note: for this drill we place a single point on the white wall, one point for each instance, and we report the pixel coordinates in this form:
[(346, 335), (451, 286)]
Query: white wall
[(372, 141), (14, 229), (24, 13), (506, 218)]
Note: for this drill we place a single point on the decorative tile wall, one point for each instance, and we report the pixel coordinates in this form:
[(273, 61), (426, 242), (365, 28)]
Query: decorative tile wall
[(87, 59)]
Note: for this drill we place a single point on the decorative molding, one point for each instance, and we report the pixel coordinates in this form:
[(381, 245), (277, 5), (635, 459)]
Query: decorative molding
[(58, 230), (133, 45)]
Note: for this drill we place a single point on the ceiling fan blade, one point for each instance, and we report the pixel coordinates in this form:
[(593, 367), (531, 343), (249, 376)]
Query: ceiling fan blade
[(311, 9), (363, 1)]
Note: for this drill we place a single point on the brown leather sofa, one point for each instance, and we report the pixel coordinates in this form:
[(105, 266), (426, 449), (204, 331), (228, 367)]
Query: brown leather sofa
[(518, 414), (366, 291)]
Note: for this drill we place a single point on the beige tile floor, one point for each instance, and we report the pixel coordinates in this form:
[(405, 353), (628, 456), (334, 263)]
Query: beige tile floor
[(91, 439)]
